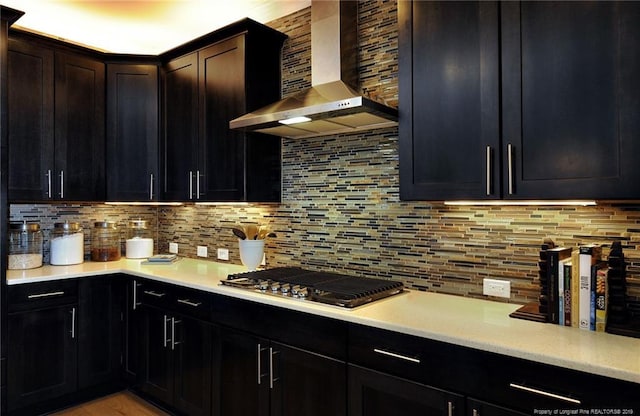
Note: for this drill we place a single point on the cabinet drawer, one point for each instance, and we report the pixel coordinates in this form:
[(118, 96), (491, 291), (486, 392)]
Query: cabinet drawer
[(191, 302), (154, 294), (42, 294)]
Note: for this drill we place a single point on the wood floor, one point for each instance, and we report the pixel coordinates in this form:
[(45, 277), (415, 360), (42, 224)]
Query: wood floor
[(119, 404)]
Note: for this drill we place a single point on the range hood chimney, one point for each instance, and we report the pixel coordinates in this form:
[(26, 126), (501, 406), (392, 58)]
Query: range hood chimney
[(332, 105)]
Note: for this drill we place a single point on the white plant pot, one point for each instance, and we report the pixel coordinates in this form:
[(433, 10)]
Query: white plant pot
[(251, 253)]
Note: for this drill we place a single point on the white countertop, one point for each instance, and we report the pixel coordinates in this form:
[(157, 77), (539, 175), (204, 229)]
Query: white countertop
[(474, 323)]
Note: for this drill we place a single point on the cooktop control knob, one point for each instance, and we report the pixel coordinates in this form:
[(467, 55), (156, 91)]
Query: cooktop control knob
[(275, 286), (285, 288)]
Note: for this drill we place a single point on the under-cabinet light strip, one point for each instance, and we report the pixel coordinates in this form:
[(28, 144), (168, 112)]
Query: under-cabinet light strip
[(524, 203)]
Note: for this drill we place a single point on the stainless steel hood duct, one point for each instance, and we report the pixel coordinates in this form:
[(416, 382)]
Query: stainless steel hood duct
[(332, 104)]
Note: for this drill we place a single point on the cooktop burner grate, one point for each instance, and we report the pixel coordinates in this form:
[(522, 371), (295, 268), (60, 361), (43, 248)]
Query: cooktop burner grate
[(332, 288)]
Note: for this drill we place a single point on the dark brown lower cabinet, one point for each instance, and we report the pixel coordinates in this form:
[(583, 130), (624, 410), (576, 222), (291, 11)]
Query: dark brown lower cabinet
[(42, 355), (262, 377), (177, 364), (372, 393)]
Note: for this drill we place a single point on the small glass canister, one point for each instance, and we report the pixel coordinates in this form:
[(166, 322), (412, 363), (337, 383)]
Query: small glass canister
[(67, 244), (105, 241), (139, 244), (25, 246)]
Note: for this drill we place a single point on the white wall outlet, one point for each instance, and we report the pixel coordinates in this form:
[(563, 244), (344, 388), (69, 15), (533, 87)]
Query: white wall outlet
[(173, 248), (202, 251), (495, 287), (223, 254)]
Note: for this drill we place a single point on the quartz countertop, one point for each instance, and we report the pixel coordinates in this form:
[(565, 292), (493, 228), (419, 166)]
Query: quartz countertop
[(475, 323)]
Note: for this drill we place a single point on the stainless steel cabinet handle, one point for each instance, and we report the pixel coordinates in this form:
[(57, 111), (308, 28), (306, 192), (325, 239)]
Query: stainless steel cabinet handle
[(395, 355), (272, 379), (151, 187), (449, 408), (197, 184), (135, 296), (544, 393), (73, 322), (49, 192), (259, 365), (152, 293), (190, 184), (174, 321), (45, 295), (488, 170), (188, 302), (510, 167), (164, 331), (62, 184)]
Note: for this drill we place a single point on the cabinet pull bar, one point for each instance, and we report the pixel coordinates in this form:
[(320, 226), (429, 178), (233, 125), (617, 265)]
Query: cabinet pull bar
[(394, 355), (135, 295), (449, 408), (188, 302), (174, 321), (272, 379), (510, 167), (190, 184), (544, 393), (488, 170), (49, 192), (62, 184), (44, 295), (259, 364), (151, 187), (152, 293), (197, 184), (164, 331), (73, 322), (475, 412)]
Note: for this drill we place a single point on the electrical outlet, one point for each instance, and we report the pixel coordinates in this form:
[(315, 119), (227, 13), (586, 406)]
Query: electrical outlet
[(202, 251), (173, 248), (494, 287), (223, 254)]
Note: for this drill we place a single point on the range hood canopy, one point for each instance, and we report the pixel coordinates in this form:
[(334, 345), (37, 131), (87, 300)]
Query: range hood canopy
[(331, 105)]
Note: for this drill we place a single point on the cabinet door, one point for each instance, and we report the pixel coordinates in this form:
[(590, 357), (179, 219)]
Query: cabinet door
[(243, 380), (449, 98), (42, 355), (99, 330), (305, 383), (372, 393), (30, 121), (132, 132), (158, 372), (180, 139), (79, 128), (571, 114), (132, 332), (222, 97), (192, 347)]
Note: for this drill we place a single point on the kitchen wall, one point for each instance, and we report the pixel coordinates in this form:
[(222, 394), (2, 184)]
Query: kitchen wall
[(341, 211)]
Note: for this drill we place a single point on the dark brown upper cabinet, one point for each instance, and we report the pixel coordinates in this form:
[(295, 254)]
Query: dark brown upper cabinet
[(205, 85), (132, 132), (519, 100), (56, 124)]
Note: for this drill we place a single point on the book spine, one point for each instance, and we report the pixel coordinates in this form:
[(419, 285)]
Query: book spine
[(568, 295), (575, 289), (552, 288), (560, 277), (588, 256), (601, 300)]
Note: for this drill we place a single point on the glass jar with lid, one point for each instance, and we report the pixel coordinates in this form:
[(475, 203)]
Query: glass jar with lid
[(25, 245), (67, 244), (139, 244), (105, 241)]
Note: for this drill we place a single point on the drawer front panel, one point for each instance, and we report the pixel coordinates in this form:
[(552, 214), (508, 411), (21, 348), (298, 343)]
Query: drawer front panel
[(42, 295)]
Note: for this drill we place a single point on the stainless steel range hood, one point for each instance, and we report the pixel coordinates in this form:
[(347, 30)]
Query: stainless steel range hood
[(331, 105)]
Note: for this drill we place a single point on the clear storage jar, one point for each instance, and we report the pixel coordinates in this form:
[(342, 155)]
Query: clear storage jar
[(139, 244), (67, 244), (25, 245), (105, 241)]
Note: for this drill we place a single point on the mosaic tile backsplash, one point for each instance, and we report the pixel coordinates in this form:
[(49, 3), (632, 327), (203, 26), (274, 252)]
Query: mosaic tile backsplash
[(341, 211)]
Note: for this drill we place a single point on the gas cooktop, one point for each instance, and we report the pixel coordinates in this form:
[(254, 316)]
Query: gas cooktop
[(331, 288)]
